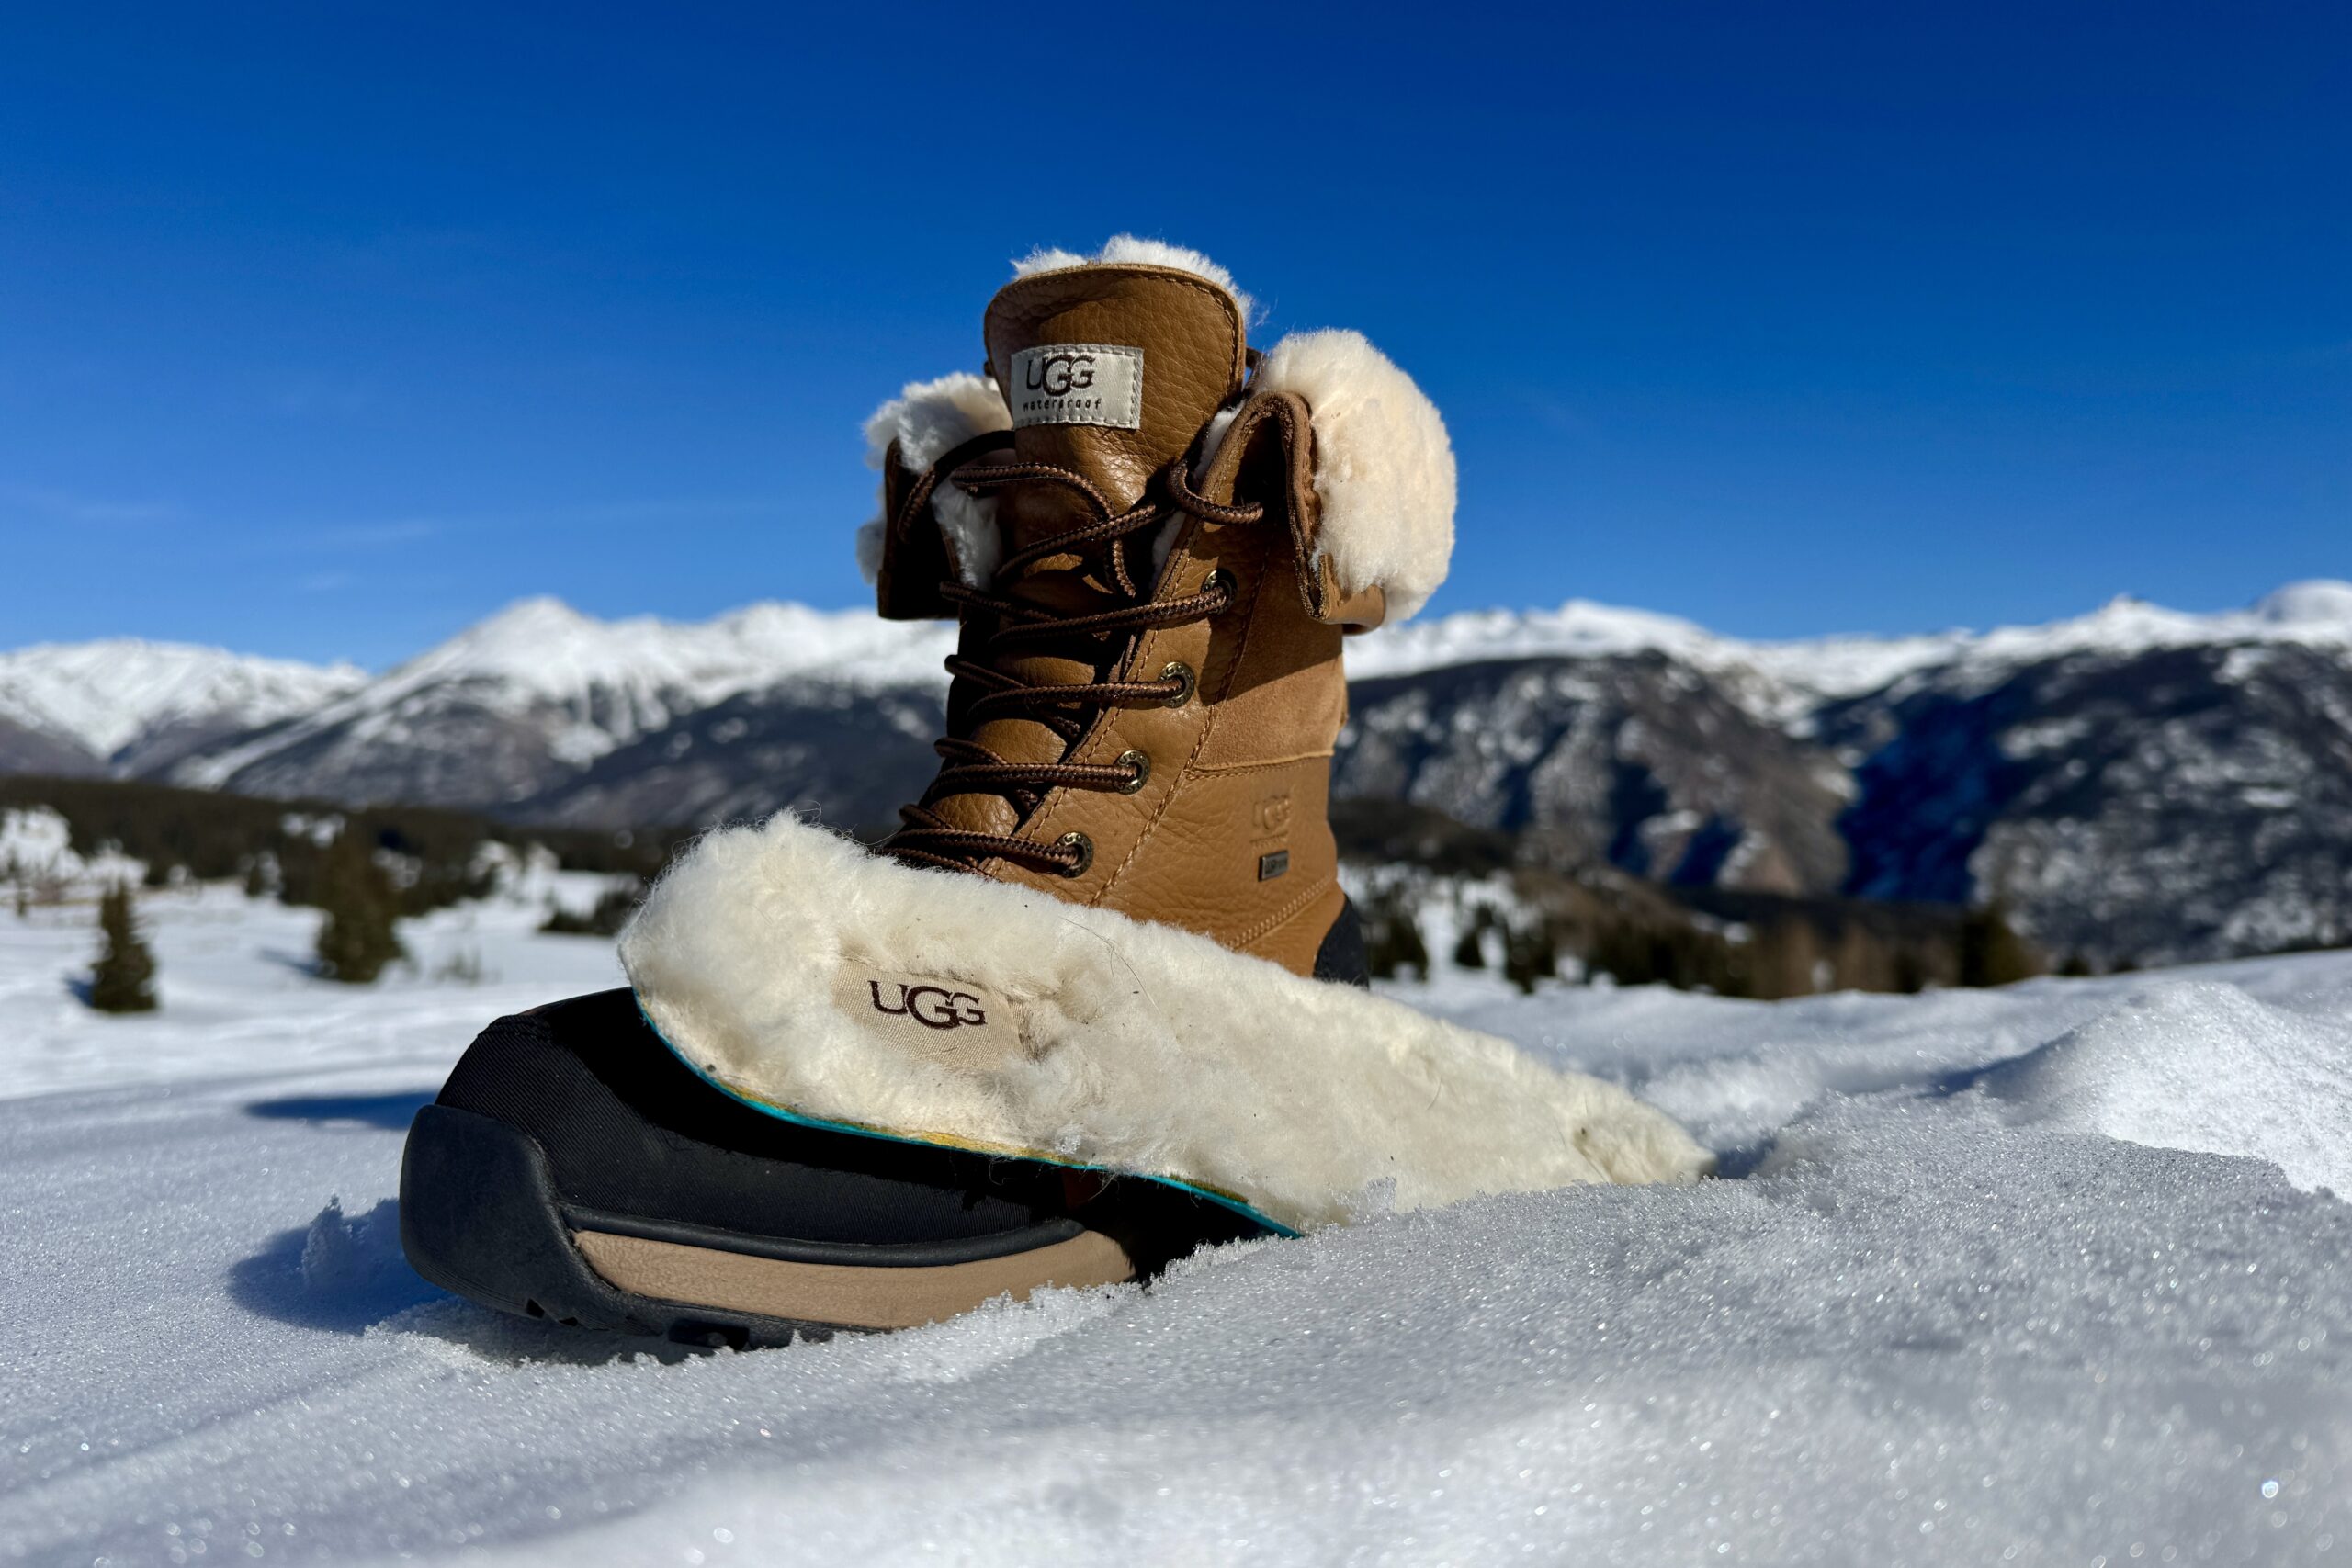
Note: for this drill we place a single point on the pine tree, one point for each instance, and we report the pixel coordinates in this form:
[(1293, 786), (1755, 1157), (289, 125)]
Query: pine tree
[(1786, 955), (1991, 952), (124, 977), (1529, 956), (1623, 951), (1392, 939), (1470, 951), (613, 907), (358, 939)]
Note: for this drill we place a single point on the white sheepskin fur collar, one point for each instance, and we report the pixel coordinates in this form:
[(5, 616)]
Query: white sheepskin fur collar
[(797, 972), (927, 420), (1129, 250), (1384, 468)]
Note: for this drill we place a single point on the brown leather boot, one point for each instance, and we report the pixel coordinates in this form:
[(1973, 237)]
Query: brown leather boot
[(1148, 684), (1067, 1025)]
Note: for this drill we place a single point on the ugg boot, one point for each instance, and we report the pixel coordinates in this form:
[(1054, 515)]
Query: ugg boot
[(1148, 683), (1097, 1001)]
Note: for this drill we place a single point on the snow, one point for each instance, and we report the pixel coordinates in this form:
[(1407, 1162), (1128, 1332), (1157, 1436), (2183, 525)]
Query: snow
[(37, 848), (36, 842), (547, 649), (2321, 606), (2201, 1067), (1579, 628), (103, 696), (2047, 1274)]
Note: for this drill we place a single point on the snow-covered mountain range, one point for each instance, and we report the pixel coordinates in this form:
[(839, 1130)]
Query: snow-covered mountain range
[(2317, 614), (527, 709), (2134, 781)]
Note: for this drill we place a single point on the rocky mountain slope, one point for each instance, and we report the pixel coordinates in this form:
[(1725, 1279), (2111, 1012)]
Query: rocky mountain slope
[(2136, 782), (1636, 758), (541, 711)]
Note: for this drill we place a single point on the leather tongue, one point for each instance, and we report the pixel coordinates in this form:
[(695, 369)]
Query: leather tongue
[(1110, 371)]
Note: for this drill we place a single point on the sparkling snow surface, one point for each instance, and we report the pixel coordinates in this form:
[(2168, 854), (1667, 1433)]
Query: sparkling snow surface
[(2042, 1275)]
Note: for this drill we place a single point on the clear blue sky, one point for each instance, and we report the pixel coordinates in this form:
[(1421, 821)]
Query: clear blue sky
[(327, 328)]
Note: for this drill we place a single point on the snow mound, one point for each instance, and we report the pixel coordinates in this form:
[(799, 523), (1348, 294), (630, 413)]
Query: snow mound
[(2201, 1067)]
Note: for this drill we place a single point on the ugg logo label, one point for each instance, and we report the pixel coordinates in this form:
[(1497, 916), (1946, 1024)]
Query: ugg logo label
[(1061, 373), (1077, 383), (953, 1022), (934, 1007)]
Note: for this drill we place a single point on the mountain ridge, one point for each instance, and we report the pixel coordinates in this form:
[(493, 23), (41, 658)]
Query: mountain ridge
[(2137, 782), (106, 696), (534, 640)]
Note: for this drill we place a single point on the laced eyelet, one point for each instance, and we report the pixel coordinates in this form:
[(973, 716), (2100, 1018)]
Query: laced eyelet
[(1182, 674), (1106, 536)]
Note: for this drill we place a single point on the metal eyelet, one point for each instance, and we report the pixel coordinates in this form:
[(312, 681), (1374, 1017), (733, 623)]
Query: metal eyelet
[(1182, 674), (1079, 845), (1139, 766), (1222, 579)]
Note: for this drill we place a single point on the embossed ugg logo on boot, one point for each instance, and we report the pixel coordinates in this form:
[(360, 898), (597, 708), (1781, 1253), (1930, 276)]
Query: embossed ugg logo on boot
[(952, 1021), (1271, 813), (1077, 383)]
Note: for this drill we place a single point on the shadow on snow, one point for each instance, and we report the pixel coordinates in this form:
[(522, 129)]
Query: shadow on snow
[(391, 1113), (345, 1274)]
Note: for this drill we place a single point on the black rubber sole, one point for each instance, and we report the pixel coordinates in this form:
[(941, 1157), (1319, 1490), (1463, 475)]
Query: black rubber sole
[(573, 1164), (575, 1119), (480, 1215)]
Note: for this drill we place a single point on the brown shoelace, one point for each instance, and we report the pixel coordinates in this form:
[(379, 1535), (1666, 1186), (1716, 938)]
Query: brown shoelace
[(1066, 708)]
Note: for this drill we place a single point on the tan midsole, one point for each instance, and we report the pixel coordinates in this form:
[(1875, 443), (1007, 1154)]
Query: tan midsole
[(841, 1295)]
